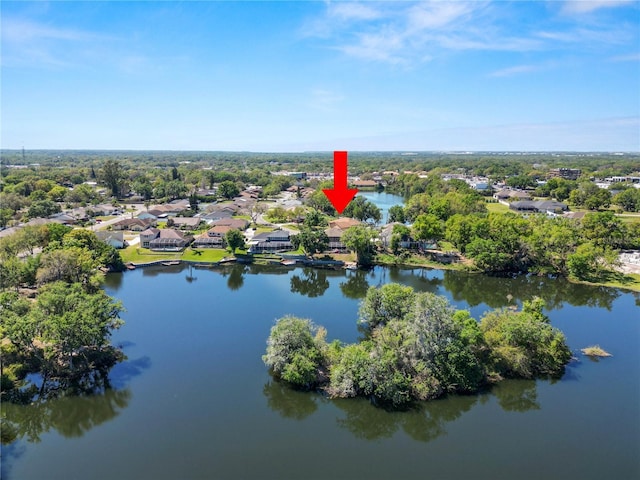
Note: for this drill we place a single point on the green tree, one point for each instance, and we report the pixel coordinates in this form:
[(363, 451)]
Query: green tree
[(74, 323), (428, 227), (381, 305), (57, 193), (628, 199), (400, 233), (228, 189), (312, 240), (113, 176), (314, 218), (362, 209), (359, 239), (43, 209), (396, 214), (234, 239), (295, 351), (524, 344), (604, 229), (71, 265)]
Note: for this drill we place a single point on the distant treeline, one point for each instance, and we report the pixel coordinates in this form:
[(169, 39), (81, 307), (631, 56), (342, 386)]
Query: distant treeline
[(481, 163)]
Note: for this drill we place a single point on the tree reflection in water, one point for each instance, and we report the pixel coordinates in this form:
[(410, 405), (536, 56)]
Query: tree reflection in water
[(424, 422), (499, 292), (236, 277), (71, 416), (288, 402), (356, 285), (312, 283), (71, 407)]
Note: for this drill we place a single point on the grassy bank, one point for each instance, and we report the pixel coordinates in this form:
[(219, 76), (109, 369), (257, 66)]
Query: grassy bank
[(136, 254), (628, 281), (419, 261)]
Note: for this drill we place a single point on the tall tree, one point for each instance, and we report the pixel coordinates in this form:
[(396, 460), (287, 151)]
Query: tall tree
[(113, 176), (359, 239), (234, 239)]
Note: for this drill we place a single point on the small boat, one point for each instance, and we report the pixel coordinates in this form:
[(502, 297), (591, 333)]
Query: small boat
[(351, 266), (168, 264), (130, 266), (288, 262)]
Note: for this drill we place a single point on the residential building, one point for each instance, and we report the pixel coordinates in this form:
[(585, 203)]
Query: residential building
[(566, 173), (133, 224), (276, 241), (167, 239), (186, 223), (115, 239)]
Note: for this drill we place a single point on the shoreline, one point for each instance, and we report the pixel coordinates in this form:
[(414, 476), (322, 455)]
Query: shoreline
[(298, 260)]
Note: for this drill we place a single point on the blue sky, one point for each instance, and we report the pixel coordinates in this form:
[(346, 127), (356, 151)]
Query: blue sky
[(296, 76)]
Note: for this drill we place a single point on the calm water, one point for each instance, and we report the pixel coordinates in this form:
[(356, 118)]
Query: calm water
[(383, 201), (194, 400)]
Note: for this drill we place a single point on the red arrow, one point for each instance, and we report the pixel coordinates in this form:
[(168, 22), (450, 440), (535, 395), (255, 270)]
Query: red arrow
[(340, 195)]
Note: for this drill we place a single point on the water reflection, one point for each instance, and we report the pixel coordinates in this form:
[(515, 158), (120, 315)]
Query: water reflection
[(421, 279), (425, 422), (517, 395), (287, 402), (236, 277), (70, 416), (113, 281), (500, 292), (357, 284), (312, 283), (190, 277)]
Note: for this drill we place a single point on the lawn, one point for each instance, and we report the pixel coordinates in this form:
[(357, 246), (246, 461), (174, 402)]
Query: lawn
[(205, 255), (497, 207), (629, 218), (136, 254)]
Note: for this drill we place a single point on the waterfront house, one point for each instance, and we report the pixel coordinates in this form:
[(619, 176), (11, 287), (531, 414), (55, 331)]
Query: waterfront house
[(115, 239), (164, 240), (276, 241), (344, 222)]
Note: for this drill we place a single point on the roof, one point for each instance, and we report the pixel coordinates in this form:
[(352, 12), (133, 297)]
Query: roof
[(239, 223), (344, 223), (150, 231), (171, 233), (218, 230), (205, 239), (574, 215), (334, 232), (365, 183), (106, 235), (189, 221), (133, 221)]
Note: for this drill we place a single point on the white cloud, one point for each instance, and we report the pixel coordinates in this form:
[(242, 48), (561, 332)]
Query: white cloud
[(515, 70), (632, 57), (29, 43), (347, 11), (601, 135), (434, 15), (405, 33), (409, 33), (582, 6), (18, 31)]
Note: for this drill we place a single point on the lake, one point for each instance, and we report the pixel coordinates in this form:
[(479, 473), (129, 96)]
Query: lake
[(194, 399), (383, 201)]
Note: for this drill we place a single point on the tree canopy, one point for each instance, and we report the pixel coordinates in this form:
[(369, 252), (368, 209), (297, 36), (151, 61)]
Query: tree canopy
[(416, 346)]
